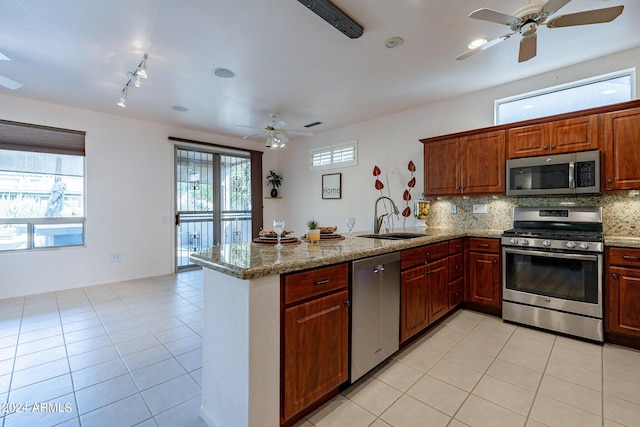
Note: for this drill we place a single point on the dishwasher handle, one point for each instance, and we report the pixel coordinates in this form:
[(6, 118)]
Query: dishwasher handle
[(378, 268)]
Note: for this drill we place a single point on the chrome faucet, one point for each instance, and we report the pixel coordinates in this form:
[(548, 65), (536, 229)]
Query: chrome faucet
[(377, 220)]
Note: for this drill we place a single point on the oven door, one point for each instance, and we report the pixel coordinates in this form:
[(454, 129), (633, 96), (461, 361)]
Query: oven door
[(567, 282)]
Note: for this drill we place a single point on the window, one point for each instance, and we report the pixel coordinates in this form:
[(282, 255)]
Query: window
[(340, 155), (41, 189), (594, 92)]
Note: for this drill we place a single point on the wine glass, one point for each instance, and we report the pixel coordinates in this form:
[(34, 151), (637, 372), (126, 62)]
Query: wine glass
[(278, 227), (351, 221)]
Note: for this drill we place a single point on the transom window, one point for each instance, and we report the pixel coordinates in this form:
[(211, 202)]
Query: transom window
[(335, 156), (593, 92)]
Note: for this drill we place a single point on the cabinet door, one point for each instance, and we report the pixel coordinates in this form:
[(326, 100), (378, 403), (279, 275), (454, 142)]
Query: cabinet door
[(438, 282), (484, 278), (623, 302), (622, 157), (414, 313), (441, 167), (315, 359), (483, 160), (577, 134), (528, 141)]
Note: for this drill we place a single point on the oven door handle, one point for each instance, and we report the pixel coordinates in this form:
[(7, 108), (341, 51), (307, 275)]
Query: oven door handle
[(584, 257)]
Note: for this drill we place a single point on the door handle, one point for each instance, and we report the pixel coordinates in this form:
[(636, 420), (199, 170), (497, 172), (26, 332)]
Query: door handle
[(177, 219)]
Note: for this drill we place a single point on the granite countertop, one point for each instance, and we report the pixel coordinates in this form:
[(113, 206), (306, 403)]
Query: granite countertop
[(254, 260), (620, 241)]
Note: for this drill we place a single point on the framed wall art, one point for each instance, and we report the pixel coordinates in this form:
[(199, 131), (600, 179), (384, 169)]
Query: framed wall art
[(332, 186)]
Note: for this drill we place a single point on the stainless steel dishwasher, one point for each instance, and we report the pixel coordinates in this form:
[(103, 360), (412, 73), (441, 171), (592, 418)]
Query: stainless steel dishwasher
[(375, 312)]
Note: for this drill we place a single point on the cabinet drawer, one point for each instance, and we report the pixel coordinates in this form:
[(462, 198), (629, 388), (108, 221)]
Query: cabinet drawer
[(484, 245), (423, 254), (456, 292), (456, 266), (624, 256), (455, 246), (306, 284)]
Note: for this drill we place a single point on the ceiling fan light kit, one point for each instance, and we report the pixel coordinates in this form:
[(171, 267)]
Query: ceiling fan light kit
[(140, 72), (529, 17), (335, 17), (276, 133)]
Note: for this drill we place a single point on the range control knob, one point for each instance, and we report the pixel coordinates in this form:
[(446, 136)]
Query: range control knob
[(584, 245), (514, 241), (571, 245), (546, 243), (524, 242)]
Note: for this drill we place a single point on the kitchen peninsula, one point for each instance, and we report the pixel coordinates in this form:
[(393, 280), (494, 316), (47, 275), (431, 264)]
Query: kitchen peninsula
[(242, 302)]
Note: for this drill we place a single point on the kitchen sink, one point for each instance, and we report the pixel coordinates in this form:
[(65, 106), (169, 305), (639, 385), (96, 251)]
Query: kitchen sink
[(393, 236)]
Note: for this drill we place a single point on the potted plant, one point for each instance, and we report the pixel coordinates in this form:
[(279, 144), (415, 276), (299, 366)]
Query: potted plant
[(274, 180), (313, 232)]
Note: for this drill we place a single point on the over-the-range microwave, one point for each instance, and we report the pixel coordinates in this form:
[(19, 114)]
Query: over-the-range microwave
[(572, 173)]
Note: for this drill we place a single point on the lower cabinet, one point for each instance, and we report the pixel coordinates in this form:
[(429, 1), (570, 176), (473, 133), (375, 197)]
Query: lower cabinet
[(484, 279), (315, 338), (622, 293)]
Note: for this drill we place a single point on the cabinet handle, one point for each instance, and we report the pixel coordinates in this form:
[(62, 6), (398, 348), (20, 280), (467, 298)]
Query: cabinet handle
[(347, 303), (322, 282), (483, 245), (495, 261), (614, 275), (631, 257), (609, 180), (545, 147), (457, 267), (553, 146)]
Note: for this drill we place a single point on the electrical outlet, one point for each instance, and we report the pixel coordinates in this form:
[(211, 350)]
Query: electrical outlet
[(454, 209), (116, 257), (480, 209)]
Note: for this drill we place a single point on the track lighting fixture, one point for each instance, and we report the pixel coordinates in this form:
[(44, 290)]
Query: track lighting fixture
[(134, 76)]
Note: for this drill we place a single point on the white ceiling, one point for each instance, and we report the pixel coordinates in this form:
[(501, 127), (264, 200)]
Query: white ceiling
[(286, 58)]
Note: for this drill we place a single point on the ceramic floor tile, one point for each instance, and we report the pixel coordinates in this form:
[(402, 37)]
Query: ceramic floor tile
[(126, 412), (150, 356), (397, 375), (34, 359), (39, 373), (184, 345), (174, 334), (531, 341), (575, 374), (133, 346), (481, 345), (621, 411), (454, 374), (438, 394), (581, 397), (43, 391), (507, 395), (171, 393), (409, 412), (191, 361), (50, 413), (160, 372), (93, 357), (467, 357), (515, 374), (84, 334), (372, 394), (39, 345), (88, 345), (341, 412), (417, 359), (478, 412), (81, 324), (104, 393), (97, 373), (621, 388), (572, 355), (184, 415), (39, 334), (554, 413), (523, 358), (437, 345)]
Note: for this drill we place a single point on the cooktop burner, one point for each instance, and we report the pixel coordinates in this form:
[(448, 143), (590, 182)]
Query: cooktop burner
[(555, 234)]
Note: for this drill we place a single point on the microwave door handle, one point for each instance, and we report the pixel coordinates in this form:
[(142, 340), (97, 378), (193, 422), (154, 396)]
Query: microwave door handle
[(572, 177)]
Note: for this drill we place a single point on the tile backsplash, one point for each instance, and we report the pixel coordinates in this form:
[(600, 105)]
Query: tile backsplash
[(621, 212)]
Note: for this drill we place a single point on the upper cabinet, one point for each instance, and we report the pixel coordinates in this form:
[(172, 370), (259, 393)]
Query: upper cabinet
[(556, 137), (471, 164), (621, 132)]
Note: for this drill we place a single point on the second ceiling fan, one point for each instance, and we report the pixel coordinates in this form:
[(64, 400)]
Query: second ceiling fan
[(526, 20)]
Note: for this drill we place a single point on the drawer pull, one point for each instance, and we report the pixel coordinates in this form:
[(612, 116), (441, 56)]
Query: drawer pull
[(635, 258), (457, 267), (483, 245), (615, 276), (322, 282)]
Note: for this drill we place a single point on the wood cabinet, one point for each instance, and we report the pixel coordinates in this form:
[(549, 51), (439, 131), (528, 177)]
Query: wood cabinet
[(621, 133), (456, 273), (424, 287), (556, 137), (622, 296), (483, 272), (315, 337), (471, 164)]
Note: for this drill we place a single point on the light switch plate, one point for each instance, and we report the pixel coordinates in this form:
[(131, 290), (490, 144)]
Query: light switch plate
[(480, 209), (454, 209)]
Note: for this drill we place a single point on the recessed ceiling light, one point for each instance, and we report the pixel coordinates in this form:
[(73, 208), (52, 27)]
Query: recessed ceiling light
[(223, 73), (393, 42), (476, 43), (179, 108)]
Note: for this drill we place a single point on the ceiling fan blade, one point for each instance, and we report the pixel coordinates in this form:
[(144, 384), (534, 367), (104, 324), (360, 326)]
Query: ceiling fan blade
[(280, 125), (298, 132), (4, 57), (250, 127), (491, 15), (10, 84), (282, 137), (552, 6), (485, 46), (597, 16), (252, 136), (528, 48)]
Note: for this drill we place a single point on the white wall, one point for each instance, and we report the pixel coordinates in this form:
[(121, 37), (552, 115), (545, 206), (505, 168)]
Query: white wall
[(130, 201), (391, 141)]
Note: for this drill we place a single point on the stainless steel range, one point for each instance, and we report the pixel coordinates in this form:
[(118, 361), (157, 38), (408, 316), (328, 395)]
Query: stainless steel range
[(552, 264)]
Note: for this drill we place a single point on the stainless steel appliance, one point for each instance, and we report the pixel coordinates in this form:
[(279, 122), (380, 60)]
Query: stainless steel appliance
[(552, 264), (573, 173), (375, 312)]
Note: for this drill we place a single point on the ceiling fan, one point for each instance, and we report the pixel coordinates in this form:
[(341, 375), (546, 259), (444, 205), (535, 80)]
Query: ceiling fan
[(5, 81), (276, 133), (526, 20)]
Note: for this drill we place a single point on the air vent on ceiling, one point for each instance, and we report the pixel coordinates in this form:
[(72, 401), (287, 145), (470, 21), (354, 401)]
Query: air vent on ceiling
[(310, 125), (335, 17)]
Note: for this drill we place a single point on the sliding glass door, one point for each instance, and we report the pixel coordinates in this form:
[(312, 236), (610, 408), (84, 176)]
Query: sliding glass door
[(213, 201)]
